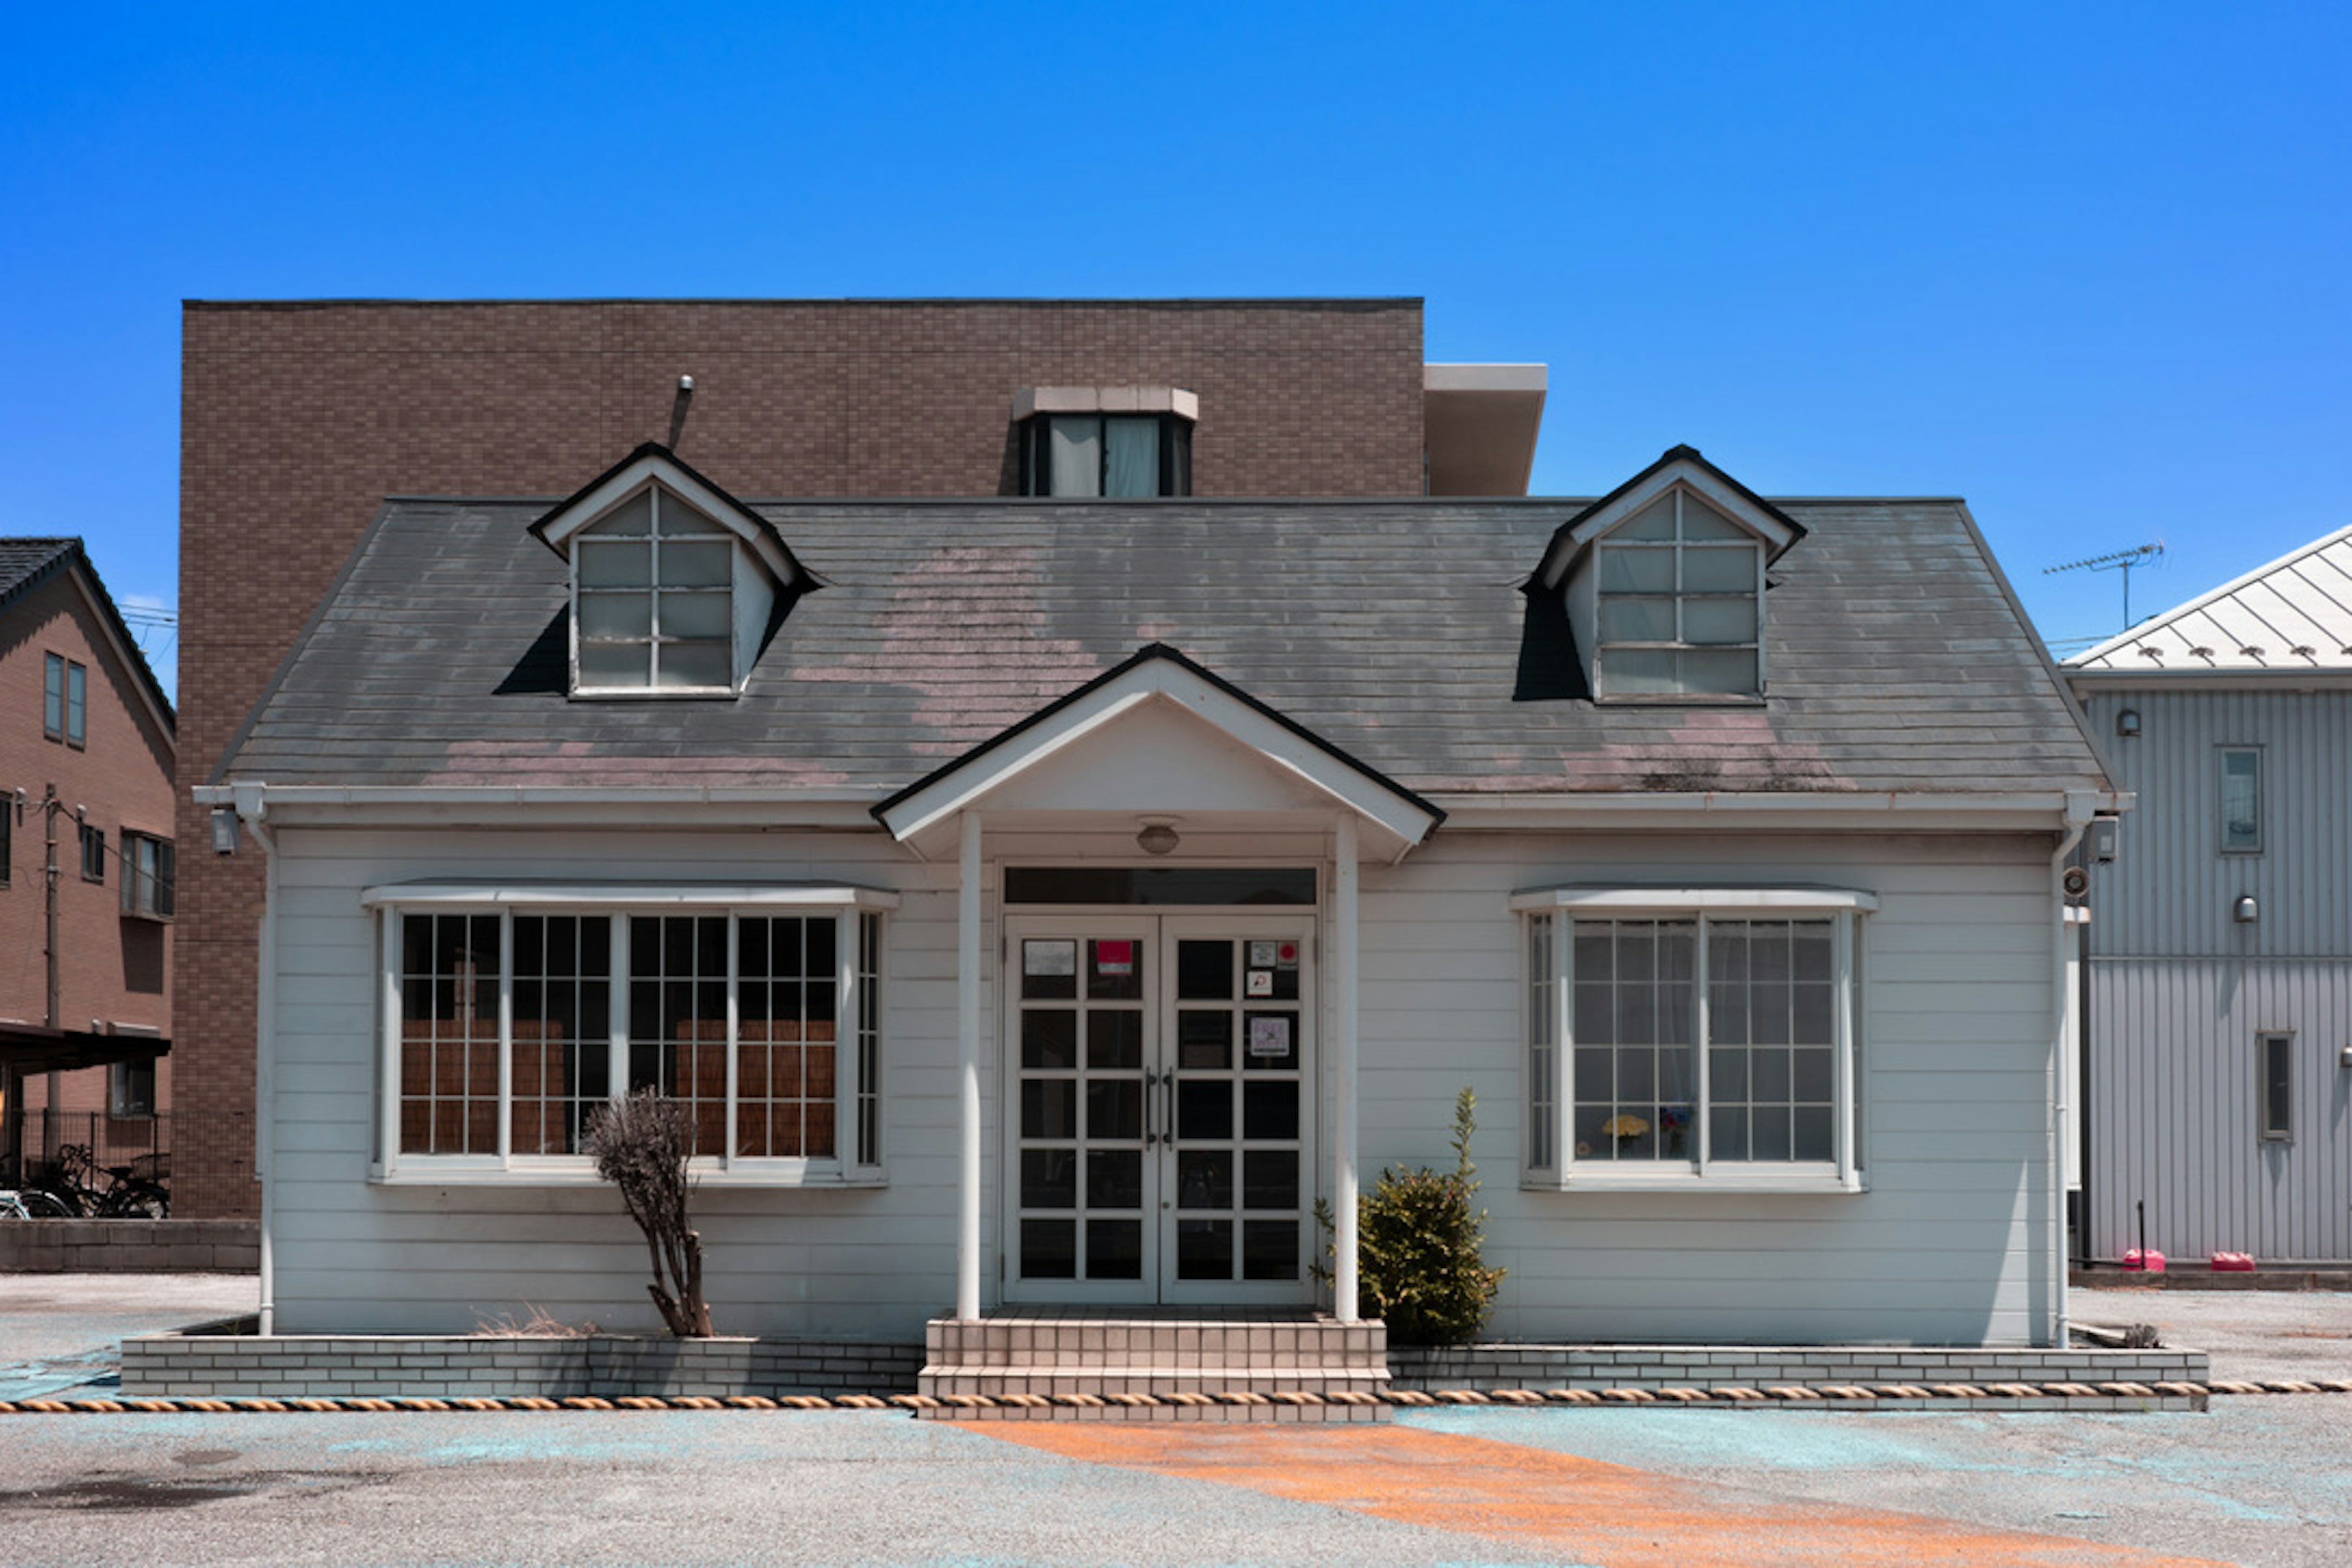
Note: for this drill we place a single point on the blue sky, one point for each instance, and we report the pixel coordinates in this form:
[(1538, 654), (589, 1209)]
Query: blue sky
[(2085, 265)]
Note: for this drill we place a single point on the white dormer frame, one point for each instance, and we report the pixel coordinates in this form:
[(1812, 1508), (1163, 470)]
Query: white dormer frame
[(1570, 564), (763, 568)]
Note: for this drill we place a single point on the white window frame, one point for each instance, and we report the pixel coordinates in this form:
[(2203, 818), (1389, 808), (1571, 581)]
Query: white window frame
[(1548, 1043), (587, 539), (150, 891), (1679, 545), (859, 1042)]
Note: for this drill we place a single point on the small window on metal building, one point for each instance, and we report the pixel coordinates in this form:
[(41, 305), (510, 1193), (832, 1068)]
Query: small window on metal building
[(2242, 800), (2275, 1054)]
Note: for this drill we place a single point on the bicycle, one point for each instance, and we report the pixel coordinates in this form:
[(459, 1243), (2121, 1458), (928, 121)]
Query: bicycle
[(31, 1204)]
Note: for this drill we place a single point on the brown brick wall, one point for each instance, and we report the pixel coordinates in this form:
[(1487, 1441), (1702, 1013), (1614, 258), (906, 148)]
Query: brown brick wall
[(298, 419)]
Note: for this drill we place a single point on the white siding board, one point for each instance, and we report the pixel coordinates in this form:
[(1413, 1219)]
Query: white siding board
[(1945, 1248)]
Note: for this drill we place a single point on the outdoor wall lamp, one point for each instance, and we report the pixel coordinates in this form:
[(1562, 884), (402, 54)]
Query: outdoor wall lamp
[(1158, 835), (2245, 911), (224, 830), (2128, 723)]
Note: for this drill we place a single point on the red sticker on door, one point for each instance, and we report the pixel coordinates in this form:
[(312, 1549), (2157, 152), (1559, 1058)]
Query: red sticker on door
[(1114, 958)]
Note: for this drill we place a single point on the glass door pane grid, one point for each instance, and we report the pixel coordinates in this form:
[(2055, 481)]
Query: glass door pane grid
[(1085, 1099)]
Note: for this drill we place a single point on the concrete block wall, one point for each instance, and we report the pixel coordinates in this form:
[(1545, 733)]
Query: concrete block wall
[(458, 1366), (130, 1247), (1492, 1366)]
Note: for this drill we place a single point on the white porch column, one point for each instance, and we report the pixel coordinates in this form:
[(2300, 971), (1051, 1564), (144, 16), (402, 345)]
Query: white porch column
[(968, 1065), (1343, 1059)]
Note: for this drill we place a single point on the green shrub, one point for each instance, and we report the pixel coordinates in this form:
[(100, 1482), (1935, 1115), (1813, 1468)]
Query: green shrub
[(1417, 1248)]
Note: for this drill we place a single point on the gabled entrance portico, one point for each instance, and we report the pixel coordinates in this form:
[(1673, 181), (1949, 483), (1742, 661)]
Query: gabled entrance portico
[(1135, 1145)]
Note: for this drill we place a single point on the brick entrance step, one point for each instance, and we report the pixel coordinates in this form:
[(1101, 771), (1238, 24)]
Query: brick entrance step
[(1179, 1357)]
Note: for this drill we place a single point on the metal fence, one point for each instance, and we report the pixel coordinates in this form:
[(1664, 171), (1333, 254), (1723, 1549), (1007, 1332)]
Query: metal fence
[(36, 1140)]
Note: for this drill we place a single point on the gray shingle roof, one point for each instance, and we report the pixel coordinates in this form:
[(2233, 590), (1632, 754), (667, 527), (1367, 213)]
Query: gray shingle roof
[(1395, 630)]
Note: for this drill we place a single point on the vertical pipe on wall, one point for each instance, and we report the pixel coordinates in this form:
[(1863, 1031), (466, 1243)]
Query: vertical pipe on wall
[(2053, 1257), (1343, 1055), (250, 808), (968, 1069)]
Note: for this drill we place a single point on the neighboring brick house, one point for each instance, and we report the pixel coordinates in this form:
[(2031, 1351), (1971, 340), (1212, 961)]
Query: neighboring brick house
[(85, 761), (299, 418)]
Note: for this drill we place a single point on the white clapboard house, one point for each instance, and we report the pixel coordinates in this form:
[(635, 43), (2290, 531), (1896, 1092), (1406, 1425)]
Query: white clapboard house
[(1046, 902)]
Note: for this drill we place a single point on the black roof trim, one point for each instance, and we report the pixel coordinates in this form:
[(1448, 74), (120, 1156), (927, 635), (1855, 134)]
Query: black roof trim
[(1168, 302), (645, 450), (1142, 655), (71, 554), (1672, 455)]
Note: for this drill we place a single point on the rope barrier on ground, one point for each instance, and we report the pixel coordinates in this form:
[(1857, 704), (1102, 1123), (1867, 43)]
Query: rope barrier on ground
[(1816, 1395)]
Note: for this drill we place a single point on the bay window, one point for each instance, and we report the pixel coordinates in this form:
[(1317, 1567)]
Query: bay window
[(511, 1017), (1685, 1035)]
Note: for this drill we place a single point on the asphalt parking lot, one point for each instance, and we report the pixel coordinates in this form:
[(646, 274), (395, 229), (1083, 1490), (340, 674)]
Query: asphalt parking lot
[(2264, 1481)]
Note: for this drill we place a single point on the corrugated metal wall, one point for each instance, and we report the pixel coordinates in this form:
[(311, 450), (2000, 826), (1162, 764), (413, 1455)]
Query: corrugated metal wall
[(2179, 989), (2175, 1117), (2169, 895)]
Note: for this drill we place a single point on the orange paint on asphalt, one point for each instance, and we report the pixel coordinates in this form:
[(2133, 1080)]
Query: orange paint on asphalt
[(1611, 1516)]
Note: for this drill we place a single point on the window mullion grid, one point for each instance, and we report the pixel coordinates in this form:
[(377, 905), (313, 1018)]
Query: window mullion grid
[(652, 594), (1702, 1033), (387, 1127), (616, 1055), (506, 1036), (1842, 1023), (1564, 1088), (734, 1033), (848, 1070)]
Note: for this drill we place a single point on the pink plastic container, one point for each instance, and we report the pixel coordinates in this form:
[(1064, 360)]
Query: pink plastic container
[(2232, 1263), (2149, 1262)]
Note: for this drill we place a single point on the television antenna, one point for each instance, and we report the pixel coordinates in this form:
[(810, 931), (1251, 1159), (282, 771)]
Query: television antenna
[(2121, 561)]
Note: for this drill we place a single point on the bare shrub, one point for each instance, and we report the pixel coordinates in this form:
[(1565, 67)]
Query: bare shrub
[(641, 1146)]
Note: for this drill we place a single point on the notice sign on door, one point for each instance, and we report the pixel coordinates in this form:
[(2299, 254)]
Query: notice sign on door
[(1049, 958), (1269, 1036), (1114, 958)]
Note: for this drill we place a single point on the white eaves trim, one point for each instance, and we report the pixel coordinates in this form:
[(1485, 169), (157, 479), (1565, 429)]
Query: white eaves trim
[(634, 894), (623, 481), (966, 784), (1683, 473), (1619, 900), (1516, 812)]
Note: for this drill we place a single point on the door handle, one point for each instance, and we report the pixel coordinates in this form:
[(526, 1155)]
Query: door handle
[(1168, 1106)]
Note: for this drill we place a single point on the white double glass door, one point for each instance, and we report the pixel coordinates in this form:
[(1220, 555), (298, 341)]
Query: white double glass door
[(1161, 1113)]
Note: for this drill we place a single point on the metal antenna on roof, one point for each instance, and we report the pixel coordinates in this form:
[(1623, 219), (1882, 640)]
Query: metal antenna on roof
[(2121, 561)]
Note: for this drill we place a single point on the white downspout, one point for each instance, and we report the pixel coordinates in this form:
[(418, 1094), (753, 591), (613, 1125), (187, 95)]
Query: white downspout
[(252, 807), (2079, 812), (1343, 1057), (968, 1069)]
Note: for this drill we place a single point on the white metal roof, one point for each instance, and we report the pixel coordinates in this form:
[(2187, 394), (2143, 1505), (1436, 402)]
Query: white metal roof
[(2294, 614)]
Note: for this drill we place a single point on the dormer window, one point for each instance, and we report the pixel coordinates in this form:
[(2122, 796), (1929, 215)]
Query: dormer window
[(657, 598), (1113, 442), (1662, 581), (675, 585), (1680, 584)]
